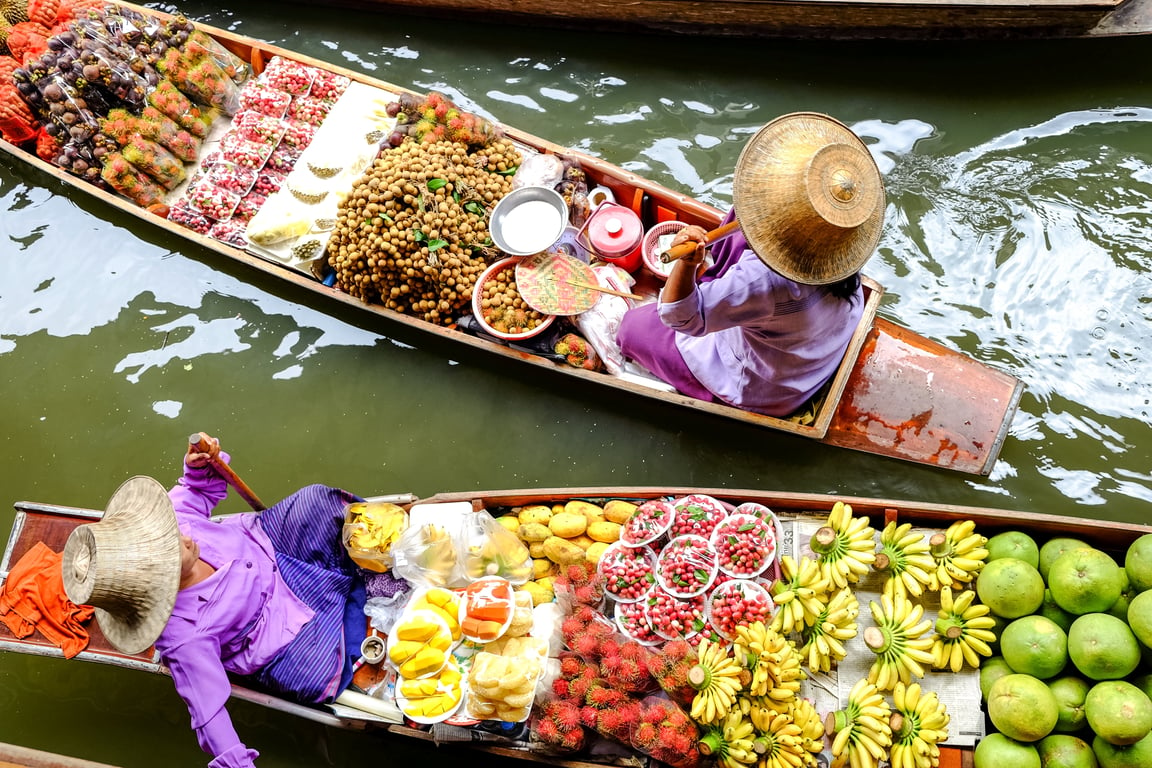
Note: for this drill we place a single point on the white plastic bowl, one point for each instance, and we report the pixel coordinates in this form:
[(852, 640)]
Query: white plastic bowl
[(528, 220)]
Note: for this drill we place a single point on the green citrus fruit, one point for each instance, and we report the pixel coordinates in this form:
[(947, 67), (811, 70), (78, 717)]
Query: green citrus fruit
[(1138, 563), (1070, 692), (1022, 708), (1140, 617), (1053, 548), (1118, 712), (1119, 608), (1061, 750), (1102, 647), (992, 669), (1053, 611), (1015, 544), (1035, 645), (1011, 588), (1085, 581), (1138, 755), (998, 751)]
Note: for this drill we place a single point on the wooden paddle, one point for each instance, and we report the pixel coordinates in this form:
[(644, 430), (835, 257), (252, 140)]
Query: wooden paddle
[(682, 250), (199, 441)]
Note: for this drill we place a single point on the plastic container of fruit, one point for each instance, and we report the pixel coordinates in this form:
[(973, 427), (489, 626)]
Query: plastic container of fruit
[(648, 523), (672, 617), (394, 640), (687, 566), (738, 602), (745, 545), (486, 609), (455, 689), (696, 514), (632, 621), (628, 572), (482, 317)]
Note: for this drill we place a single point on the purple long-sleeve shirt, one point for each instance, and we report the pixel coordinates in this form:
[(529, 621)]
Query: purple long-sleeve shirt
[(756, 339), (235, 621)]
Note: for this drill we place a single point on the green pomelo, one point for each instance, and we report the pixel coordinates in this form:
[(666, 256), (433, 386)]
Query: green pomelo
[(1138, 755), (1035, 645), (1011, 588), (1022, 708), (1118, 712), (1050, 609), (1102, 647), (1053, 548), (1063, 751), (1119, 608), (998, 629), (992, 669), (1085, 581), (1144, 683), (1138, 563), (1140, 617), (1070, 692), (1015, 544), (998, 751)]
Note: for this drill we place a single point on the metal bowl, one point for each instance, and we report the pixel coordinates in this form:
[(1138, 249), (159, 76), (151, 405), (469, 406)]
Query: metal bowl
[(528, 220)]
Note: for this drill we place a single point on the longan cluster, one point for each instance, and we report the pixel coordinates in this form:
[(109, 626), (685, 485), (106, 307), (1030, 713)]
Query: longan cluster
[(413, 233)]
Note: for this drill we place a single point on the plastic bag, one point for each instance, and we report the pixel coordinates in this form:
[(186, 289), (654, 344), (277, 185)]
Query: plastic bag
[(600, 324), (425, 555), (539, 171), (370, 530), (489, 549), (665, 732)]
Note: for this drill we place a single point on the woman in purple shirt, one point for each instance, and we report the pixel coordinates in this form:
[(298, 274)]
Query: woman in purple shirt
[(270, 597), (768, 323)]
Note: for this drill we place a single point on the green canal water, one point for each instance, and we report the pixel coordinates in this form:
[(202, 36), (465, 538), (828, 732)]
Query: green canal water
[(1019, 181)]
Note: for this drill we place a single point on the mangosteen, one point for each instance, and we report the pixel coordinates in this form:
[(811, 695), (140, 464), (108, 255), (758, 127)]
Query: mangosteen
[(53, 92)]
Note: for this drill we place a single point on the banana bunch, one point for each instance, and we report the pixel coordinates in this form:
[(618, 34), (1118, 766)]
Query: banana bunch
[(729, 742), (899, 639), (779, 742), (963, 631), (845, 548), (906, 558), (862, 733), (804, 714), (823, 641), (716, 678), (919, 722), (797, 594), (772, 659), (959, 554)]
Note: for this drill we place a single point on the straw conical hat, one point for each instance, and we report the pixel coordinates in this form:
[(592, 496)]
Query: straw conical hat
[(809, 198), (127, 566)]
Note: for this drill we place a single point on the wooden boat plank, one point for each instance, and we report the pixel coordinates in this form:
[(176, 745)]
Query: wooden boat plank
[(14, 756), (977, 434), (840, 19), (941, 416)]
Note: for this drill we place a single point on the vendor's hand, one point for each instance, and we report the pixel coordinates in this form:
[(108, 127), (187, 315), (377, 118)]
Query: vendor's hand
[(196, 459), (696, 234)]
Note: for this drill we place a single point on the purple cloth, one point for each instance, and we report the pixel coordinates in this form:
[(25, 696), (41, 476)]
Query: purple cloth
[(246, 617), (749, 336)]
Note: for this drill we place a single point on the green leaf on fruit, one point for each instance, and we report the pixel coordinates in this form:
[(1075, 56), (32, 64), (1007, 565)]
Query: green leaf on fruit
[(435, 245), (746, 527), (435, 184)]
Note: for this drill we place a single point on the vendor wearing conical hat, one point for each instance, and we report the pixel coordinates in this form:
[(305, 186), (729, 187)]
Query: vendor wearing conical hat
[(767, 324), (272, 597)]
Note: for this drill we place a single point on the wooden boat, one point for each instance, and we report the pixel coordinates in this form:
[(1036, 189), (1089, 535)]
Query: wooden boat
[(895, 394), (820, 19), (51, 524), (13, 756)]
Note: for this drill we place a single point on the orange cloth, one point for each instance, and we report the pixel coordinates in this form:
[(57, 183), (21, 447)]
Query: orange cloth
[(33, 598)]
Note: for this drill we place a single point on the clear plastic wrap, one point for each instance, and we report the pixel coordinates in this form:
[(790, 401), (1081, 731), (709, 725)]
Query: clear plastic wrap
[(487, 548), (370, 529), (155, 160), (228, 62), (425, 555), (600, 324), (131, 182)]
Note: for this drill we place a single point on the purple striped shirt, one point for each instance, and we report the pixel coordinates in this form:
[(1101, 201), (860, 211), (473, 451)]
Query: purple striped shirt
[(250, 617)]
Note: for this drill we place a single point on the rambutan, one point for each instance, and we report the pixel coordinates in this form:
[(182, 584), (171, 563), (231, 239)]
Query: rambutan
[(565, 714), (441, 111), (644, 737), (435, 99), (603, 695), (610, 665), (561, 687), (588, 594), (544, 730), (574, 740), (588, 716)]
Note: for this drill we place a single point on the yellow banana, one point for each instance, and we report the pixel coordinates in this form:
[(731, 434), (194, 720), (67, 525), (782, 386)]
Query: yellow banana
[(959, 555), (963, 631), (860, 739), (905, 556), (845, 548), (798, 594), (822, 640), (898, 638), (919, 722)]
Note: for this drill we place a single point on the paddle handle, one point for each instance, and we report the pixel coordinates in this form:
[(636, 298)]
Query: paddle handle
[(602, 289), (682, 250), (199, 441)]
